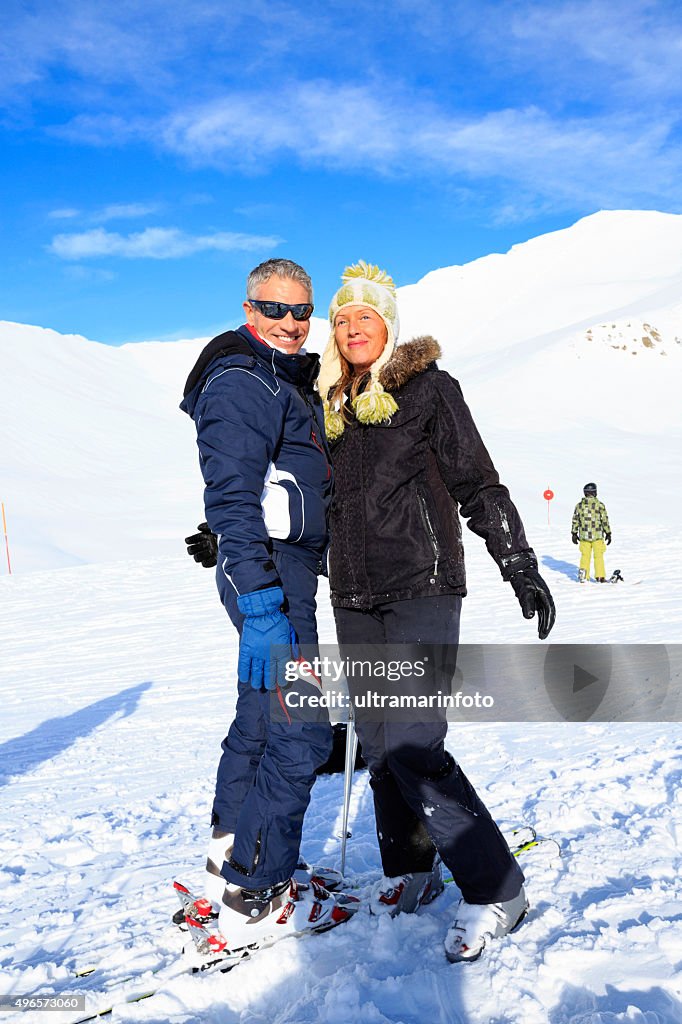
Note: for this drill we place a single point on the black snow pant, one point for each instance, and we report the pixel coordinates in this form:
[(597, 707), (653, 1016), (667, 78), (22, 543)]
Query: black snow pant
[(423, 800)]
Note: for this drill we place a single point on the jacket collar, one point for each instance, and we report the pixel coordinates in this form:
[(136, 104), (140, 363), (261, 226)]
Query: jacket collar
[(408, 361), (300, 369)]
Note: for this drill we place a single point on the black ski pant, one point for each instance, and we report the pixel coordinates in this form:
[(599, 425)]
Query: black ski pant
[(423, 801)]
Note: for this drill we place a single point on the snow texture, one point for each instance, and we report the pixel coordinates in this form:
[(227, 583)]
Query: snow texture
[(118, 682)]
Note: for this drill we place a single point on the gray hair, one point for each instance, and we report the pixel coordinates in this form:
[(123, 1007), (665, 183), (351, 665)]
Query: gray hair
[(277, 268)]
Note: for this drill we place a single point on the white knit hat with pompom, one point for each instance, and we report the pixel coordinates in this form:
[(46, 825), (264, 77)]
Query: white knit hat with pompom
[(364, 284)]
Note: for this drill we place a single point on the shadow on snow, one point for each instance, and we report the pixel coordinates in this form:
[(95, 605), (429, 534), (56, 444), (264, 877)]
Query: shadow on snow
[(22, 754), (558, 565), (580, 1006)]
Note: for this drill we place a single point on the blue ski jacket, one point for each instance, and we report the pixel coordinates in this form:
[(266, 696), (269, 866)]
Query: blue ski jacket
[(263, 456)]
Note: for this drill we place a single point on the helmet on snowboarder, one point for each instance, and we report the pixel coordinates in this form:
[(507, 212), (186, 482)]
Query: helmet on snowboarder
[(590, 490)]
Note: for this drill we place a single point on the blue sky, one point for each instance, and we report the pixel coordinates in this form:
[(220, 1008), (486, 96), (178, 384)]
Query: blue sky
[(153, 152)]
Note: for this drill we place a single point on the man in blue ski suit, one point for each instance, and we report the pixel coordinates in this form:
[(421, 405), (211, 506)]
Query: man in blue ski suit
[(268, 486)]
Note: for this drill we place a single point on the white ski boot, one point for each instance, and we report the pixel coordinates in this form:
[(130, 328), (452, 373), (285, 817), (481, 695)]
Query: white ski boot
[(207, 906), (406, 893), (476, 923), (250, 919)]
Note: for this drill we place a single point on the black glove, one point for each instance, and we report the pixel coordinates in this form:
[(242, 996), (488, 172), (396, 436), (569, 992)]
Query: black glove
[(608, 538), (203, 546), (533, 594), (574, 538)]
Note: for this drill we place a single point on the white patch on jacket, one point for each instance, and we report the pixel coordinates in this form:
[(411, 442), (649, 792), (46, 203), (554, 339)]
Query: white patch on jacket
[(275, 502)]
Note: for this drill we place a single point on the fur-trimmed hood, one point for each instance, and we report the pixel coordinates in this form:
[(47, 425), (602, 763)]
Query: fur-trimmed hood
[(409, 360)]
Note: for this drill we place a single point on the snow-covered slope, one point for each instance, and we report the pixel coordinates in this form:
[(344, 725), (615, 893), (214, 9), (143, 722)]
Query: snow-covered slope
[(96, 458), (117, 680), (118, 686), (97, 463), (615, 262)]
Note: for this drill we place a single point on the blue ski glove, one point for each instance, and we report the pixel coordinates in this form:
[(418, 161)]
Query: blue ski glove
[(265, 624)]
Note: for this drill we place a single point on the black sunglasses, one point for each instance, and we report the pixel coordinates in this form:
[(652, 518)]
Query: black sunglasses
[(278, 310)]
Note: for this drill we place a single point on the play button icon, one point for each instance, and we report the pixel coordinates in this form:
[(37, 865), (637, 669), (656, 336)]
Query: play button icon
[(582, 679), (577, 677)]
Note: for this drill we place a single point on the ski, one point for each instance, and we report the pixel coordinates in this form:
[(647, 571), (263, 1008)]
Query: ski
[(134, 997), (529, 839), (538, 841), (615, 577), (197, 961)]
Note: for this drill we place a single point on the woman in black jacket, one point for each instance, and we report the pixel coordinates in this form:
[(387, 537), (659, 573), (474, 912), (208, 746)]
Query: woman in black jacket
[(407, 459)]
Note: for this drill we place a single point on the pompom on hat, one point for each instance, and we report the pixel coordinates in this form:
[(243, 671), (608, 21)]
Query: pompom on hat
[(364, 284)]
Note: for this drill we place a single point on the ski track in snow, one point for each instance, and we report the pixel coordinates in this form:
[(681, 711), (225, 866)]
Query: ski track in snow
[(118, 686)]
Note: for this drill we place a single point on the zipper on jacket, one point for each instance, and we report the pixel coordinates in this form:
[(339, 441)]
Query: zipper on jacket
[(428, 526), (505, 526), (313, 437), (364, 438)]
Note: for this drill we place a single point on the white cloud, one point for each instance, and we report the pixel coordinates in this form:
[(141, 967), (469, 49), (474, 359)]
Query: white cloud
[(260, 211), (633, 50), (157, 46), (95, 275), (524, 156), (564, 50), (124, 211), (534, 105), (65, 213), (600, 160), (317, 122), (167, 48), (623, 159), (154, 243), (115, 211), (103, 130)]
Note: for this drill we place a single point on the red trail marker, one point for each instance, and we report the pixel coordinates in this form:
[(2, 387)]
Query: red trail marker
[(548, 495)]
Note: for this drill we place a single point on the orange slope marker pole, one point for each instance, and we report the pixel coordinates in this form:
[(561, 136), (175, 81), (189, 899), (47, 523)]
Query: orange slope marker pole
[(4, 530)]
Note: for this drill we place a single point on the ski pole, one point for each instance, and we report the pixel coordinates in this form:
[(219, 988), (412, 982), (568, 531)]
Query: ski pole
[(351, 749)]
